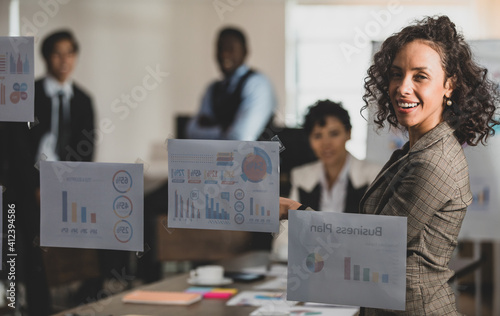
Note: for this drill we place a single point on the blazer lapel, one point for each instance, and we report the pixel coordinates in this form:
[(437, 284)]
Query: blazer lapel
[(386, 173), (390, 170)]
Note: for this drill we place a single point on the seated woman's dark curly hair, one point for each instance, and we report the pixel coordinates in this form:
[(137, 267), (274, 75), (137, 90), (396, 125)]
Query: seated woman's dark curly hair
[(319, 111), (474, 96)]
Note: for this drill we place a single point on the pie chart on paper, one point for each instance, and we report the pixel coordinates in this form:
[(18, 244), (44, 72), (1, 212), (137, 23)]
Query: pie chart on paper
[(315, 262)]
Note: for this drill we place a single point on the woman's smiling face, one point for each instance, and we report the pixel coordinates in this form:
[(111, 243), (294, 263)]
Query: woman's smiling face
[(417, 87)]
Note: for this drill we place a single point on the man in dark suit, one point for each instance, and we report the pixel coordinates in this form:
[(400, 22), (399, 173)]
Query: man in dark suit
[(64, 111), (63, 132)]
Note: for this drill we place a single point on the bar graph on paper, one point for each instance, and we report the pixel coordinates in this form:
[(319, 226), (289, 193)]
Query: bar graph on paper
[(17, 79), (12, 63), (185, 208), (217, 210), (258, 213), (224, 208), (91, 205), (83, 218), (356, 272)]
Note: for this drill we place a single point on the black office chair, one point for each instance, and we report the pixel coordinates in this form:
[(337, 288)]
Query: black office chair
[(180, 126), (297, 152)]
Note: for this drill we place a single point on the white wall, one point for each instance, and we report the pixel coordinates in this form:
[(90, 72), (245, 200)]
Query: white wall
[(121, 39), (4, 17)]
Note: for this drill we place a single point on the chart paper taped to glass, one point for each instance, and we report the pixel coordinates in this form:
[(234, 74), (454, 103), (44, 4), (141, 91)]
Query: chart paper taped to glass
[(347, 259), (92, 205), (17, 77), (227, 185)]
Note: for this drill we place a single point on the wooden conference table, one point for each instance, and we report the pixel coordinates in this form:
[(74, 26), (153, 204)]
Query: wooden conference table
[(114, 306)]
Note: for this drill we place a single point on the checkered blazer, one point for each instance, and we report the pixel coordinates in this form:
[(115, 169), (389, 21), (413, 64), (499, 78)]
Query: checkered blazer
[(429, 184)]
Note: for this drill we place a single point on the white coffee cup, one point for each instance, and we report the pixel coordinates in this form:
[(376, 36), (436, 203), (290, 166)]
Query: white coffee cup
[(208, 274)]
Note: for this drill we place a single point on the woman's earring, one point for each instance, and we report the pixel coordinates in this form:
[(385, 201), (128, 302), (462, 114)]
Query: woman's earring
[(449, 102)]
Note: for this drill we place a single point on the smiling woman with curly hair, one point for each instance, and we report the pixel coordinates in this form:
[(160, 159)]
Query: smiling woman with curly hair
[(424, 80), (471, 110)]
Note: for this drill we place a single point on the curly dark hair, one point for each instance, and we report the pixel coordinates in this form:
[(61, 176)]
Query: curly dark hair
[(474, 96), (318, 112)]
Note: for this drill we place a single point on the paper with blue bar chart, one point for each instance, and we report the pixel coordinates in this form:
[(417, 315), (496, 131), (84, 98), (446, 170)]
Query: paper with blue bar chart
[(347, 259), (227, 185), (92, 205), (17, 77)]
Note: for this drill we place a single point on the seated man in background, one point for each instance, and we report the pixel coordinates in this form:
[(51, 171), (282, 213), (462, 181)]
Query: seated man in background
[(240, 106), (335, 182)]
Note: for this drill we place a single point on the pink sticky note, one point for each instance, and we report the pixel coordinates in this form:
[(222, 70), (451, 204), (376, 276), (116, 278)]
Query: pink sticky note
[(217, 295)]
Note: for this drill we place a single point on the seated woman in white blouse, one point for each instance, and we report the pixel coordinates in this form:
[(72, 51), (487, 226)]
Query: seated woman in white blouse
[(337, 180)]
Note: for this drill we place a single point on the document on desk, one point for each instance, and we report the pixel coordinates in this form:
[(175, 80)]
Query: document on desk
[(303, 310), (347, 259), (260, 298), (92, 205), (225, 185), (17, 79)]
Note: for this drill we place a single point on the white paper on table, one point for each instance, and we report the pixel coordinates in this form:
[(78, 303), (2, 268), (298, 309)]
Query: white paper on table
[(224, 185), (278, 283), (348, 259), (274, 270), (92, 205), (306, 310), (259, 298), (17, 79)]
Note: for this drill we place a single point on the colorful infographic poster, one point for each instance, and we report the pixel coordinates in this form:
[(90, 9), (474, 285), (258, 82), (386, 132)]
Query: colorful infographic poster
[(17, 77), (347, 259), (228, 185), (92, 205)]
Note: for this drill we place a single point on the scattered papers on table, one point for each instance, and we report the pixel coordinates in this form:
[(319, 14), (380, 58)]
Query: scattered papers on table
[(278, 283), (274, 270), (259, 298), (306, 310)]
